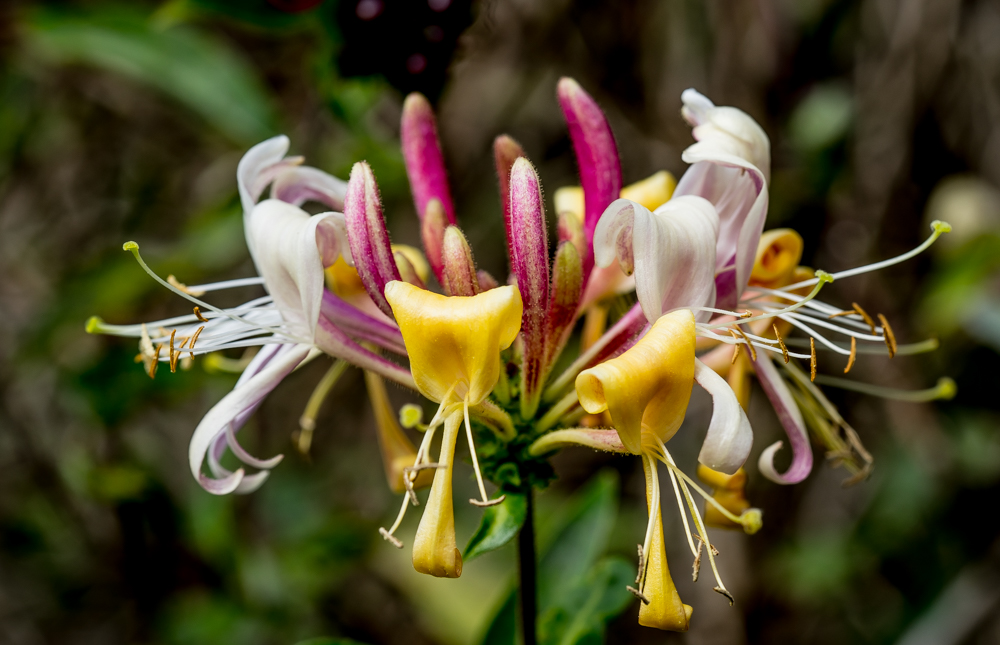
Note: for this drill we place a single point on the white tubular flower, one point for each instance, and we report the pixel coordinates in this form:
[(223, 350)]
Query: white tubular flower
[(731, 167), (672, 251)]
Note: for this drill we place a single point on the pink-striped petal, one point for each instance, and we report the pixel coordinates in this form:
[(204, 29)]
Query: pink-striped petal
[(505, 152), (791, 420), (368, 237)]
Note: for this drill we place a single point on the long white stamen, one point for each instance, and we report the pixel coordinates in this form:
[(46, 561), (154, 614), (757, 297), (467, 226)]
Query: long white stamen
[(922, 347), (822, 278), (472, 450), (837, 328), (939, 228), (134, 249), (812, 332), (228, 284), (766, 345), (97, 326)]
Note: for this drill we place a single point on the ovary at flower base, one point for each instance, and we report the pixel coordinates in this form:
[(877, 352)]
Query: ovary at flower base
[(454, 345)]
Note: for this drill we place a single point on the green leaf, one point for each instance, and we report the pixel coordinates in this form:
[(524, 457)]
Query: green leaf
[(568, 549), (499, 525), (329, 641), (582, 614), (191, 67)]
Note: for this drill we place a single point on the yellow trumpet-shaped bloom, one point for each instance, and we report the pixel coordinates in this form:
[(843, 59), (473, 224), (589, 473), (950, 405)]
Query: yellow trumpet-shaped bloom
[(665, 609), (398, 452), (454, 342), (454, 345), (646, 389)]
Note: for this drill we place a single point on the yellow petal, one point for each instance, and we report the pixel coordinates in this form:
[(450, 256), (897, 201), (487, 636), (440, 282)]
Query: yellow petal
[(343, 279), (569, 199), (454, 343), (416, 259), (648, 387), (730, 492), (778, 254), (434, 549), (652, 191), (397, 450), (665, 609)]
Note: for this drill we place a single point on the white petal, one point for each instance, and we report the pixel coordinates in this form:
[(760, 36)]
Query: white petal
[(246, 396), (791, 420), (727, 443), (291, 249), (674, 251), (252, 165), (298, 184), (613, 236)]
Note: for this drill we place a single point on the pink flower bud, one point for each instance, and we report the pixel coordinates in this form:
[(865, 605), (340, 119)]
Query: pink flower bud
[(368, 237), (459, 273), (423, 158)]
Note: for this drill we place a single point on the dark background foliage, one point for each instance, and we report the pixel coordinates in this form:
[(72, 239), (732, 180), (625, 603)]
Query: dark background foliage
[(124, 121)]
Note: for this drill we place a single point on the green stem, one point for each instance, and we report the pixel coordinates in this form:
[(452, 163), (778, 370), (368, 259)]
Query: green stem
[(526, 561)]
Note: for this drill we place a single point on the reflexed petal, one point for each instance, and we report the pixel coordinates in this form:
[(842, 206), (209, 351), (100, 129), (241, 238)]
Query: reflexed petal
[(454, 343), (250, 173), (236, 405), (778, 254), (649, 386), (730, 167), (291, 246), (673, 251), (791, 419), (299, 184), (727, 443)]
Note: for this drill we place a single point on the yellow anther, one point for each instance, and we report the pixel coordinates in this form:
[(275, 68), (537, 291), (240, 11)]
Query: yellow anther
[(180, 286), (194, 339), (197, 314), (890, 338), (736, 347), (812, 359), (864, 315), (853, 356), (784, 350), (173, 353), (753, 350)]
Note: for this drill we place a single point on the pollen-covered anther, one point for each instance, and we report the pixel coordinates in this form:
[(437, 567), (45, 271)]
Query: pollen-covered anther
[(638, 594), (696, 566), (781, 342), (890, 338), (488, 502), (390, 538), (194, 339), (736, 347), (864, 315), (853, 356), (180, 286), (173, 352), (725, 592), (715, 551), (750, 347), (747, 314), (812, 358), (198, 315)]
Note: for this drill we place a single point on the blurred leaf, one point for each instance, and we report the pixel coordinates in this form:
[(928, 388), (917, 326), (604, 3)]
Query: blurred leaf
[(193, 68), (822, 118), (567, 552), (329, 641), (581, 615), (499, 525)]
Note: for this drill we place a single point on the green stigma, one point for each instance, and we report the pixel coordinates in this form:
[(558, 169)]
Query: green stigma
[(941, 227), (94, 324), (130, 246), (823, 276)]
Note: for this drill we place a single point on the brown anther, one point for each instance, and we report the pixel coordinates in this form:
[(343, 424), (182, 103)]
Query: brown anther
[(853, 356), (784, 350), (194, 339), (890, 338), (696, 567), (736, 347), (155, 363), (197, 314), (711, 546), (389, 537), (812, 358), (408, 478), (849, 312), (746, 314), (753, 350), (642, 564), (488, 502), (638, 594), (180, 286), (864, 316), (417, 468), (173, 352), (725, 592)]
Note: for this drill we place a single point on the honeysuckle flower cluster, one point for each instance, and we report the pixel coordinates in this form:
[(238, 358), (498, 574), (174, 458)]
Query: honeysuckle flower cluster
[(716, 300)]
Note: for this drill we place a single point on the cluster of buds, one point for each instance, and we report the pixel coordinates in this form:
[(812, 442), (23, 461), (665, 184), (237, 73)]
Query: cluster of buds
[(716, 301)]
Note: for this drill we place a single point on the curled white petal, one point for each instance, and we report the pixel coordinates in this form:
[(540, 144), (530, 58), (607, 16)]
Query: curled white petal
[(244, 398), (250, 175), (729, 438), (298, 184)]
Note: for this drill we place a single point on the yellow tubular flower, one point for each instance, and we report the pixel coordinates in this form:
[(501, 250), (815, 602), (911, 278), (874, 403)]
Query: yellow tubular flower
[(665, 609), (778, 255), (729, 492), (398, 452), (454, 345), (647, 388)]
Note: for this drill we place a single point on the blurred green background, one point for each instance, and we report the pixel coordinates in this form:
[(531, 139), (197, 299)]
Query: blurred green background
[(125, 121)]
